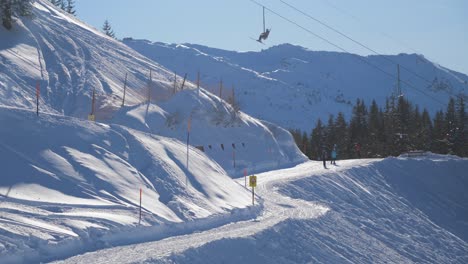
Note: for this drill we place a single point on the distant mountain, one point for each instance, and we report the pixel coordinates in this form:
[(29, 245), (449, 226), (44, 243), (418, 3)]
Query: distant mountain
[(293, 86)]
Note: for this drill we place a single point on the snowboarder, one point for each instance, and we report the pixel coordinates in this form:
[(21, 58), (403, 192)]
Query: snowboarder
[(324, 157), (333, 155), (357, 148), (264, 35)]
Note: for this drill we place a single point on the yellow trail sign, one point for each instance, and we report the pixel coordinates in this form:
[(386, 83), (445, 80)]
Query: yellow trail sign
[(252, 181)]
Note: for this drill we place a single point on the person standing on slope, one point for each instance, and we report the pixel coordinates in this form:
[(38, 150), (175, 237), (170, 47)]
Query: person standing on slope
[(324, 157), (333, 155)]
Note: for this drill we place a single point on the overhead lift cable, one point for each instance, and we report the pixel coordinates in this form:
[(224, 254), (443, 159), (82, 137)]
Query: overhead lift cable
[(353, 40), (344, 50)]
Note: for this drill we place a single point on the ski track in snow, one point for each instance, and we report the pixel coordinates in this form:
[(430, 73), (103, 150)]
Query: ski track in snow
[(276, 208)]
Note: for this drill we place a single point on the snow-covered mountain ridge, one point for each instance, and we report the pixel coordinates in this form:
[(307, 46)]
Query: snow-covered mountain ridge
[(293, 86)]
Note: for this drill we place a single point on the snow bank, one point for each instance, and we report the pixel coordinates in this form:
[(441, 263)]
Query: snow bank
[(64, 179), (233, 139), (398, 210)]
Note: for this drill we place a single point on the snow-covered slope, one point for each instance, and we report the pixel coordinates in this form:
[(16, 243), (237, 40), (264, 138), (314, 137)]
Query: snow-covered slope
[(293, 86), (70, 59), (396, 210), (68, 185), (233, 139), (64, 179)]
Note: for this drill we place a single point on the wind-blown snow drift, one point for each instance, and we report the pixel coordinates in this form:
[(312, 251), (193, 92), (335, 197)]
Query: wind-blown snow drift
[(233, 139), (65, 178)]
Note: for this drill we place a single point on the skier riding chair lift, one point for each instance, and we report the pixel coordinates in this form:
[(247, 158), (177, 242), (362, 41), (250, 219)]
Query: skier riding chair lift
[(266, 32), (264, 35)]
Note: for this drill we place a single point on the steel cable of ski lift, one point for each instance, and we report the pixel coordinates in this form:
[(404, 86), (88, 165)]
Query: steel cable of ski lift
[(355, 41), (346, 51)]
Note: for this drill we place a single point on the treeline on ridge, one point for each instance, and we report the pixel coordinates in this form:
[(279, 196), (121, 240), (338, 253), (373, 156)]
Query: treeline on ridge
[(397, 128)]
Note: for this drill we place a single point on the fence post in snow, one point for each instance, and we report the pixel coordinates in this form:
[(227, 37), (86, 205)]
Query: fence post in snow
[(125, 88), (220, 88), (183, 82), (38, 92), (91, 117), (139, 220)]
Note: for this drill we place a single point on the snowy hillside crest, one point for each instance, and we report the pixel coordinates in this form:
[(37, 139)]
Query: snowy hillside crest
[(294, 86)]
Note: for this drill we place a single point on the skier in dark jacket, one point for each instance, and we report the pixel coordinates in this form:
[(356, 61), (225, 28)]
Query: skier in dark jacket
[(264, 35), (324, 157)]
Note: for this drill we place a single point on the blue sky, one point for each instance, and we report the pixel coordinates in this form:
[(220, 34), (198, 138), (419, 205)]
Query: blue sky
[(438, 29)]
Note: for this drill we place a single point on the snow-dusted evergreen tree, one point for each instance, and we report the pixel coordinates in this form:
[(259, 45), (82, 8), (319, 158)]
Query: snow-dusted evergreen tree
[(440, 142), (451, 124), (317, 140), (107, 29), (376, 131), (358, 129), (424, 134), (56, 2), (12, 8), (342, 137), (461, 135), (70, 7)]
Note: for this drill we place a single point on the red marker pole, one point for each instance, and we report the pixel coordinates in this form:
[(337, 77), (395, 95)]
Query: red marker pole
[(139, 221), (38, 92)]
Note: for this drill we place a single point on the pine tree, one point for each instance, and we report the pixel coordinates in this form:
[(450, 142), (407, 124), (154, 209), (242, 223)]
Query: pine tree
[(6, 13), (330, 132), (425, 131), (358, 129), (342, 137), (450, 125), (376, 131), (9, 9), (108, 29), (70, 7), (56, 2), (403, 114), (439, 141), (461, 123), (317, 140)]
